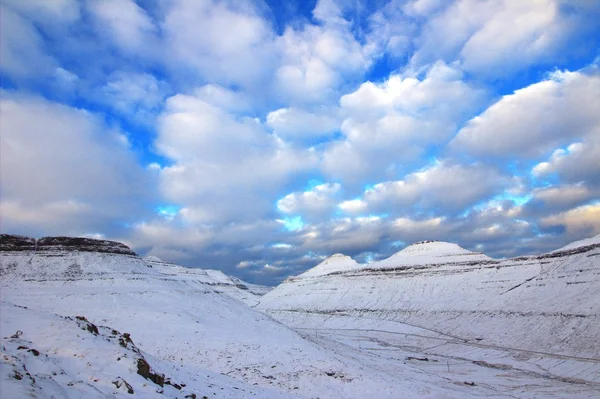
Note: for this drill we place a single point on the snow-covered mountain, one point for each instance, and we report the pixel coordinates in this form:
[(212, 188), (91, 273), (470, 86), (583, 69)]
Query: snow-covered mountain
[(444, 300), (185, 329), (77, 315)]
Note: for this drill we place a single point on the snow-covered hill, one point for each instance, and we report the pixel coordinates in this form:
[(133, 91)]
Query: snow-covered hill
[(49, 356), (364, 338), (183, 327), (444, 300), (216, 279)]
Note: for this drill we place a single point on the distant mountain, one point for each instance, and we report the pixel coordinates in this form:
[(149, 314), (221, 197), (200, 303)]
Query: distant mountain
[(547, 303)]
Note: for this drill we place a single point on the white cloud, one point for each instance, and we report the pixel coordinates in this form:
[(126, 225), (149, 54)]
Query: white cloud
[(389, 125), (318, 202), (130, 26), (220, 97), (63, 167), (139, 96), (564, 196), (317, 60), (23, 53), (300, 125), (225, 167), (443, 187), (536, 118), (227, 43), (580, 222), (354, 206), (475, 33), (578, 162)]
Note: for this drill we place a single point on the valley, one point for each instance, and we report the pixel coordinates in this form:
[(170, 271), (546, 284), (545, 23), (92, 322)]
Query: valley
[(433, 320)]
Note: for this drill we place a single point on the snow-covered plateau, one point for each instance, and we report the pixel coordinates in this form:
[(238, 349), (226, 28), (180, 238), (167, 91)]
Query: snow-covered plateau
[(82, 317)]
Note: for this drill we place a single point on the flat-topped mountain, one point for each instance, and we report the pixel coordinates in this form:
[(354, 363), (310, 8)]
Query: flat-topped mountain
[(420, 254), (9, 242), (432, 253), (545, 304)]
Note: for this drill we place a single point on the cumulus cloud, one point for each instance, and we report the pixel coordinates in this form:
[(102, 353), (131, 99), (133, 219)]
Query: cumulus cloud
[(475, 33), (391, 124), (130, 27), (440, 188), (578, 162), (225, 168), (139, 96), (564, 196), (296, 124), (318, 60), (318, 202), (63, 171), (23, 53), (226, 43), (583, 221), (536, 119)]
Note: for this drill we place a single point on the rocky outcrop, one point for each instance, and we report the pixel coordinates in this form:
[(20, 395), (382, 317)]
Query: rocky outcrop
[(9, 242), (83, 245), (66, 258)]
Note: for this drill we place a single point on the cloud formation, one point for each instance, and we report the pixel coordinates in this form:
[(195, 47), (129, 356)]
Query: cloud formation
[(259, 139)]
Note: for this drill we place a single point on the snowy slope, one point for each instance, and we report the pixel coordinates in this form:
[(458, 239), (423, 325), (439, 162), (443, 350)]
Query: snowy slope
[(433, 253), (45, 355), (216, 279), (333, 264), (438, 295), (182, 327)]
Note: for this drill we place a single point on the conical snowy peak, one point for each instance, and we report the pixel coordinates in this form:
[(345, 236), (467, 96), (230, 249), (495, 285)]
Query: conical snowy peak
[(335, 263), (430, 253)]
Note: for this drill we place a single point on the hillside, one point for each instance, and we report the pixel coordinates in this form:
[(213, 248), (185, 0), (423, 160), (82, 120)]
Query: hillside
[(182, 321), (539, 313)]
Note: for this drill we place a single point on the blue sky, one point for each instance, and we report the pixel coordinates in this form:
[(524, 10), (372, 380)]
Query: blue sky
[(260, 137)]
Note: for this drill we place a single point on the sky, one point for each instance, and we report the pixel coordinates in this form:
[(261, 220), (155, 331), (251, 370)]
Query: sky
[(259, 137)]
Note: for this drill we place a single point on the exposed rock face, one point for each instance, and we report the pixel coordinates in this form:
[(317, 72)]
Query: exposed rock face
[(10, 242), (65, 258), (68, 244)]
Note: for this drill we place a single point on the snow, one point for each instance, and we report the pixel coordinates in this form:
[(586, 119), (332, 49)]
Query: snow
[(334, 263), (581, 243), (530, 324), (45, 355), (431, 252), (537, 314), (216, 279)]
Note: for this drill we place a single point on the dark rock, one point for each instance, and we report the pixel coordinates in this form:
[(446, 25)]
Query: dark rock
[(10, 242), (119, 382), (143, 369), (83, 245), (92, 328)]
